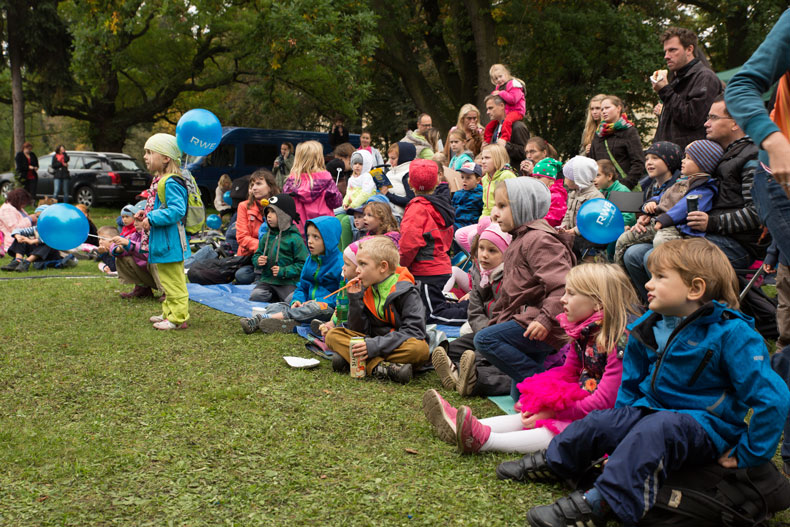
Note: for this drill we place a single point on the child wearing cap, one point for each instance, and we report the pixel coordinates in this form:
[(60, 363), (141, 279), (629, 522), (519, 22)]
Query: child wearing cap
[(662, 164), (281, 252), (360, 185), (665, 214), (426, 236), (547, 171), (468, 200)]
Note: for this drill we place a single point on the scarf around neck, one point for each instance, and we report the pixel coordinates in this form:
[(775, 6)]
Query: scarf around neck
[(606, 129), (574, 329), (485, 276)]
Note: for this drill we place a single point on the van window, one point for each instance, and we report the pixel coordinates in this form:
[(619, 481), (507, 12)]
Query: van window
[(260, 155), (223, 156)]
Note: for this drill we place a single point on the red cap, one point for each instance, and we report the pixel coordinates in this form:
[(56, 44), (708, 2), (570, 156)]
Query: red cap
[(423, 175)]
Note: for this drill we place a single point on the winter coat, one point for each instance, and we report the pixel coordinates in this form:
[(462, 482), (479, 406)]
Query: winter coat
[(133, 249), (11, 219), (468, 205), (588, 380), (23, 170), (404, 315), (482, 299), (456, 162), (686, 101), (285, 249), (616, 186), (362, 187), (559, 203), (489, 186), (248, 223), (576, 199), (626, 147), (167, 240), (426, 236), (321, 274), (713, 367), (513, 95), (536, 263), (700, 184), (424, 149), (320, 198), (59, 164), (399, 192)]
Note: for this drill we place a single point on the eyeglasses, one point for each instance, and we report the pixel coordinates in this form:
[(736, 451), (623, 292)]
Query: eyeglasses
[(471, 118), (712, 117)]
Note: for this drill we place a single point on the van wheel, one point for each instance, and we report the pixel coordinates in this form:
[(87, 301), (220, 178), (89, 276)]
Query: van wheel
[(5, 188), (85, 196)]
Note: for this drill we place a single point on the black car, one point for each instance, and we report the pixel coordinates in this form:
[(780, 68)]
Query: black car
[(96, 177)]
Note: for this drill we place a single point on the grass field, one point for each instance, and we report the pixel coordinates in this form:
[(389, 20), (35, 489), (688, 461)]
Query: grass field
[(104, 421)]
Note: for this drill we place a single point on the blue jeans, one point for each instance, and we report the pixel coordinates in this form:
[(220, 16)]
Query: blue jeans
[(61, 185), (780, 363), (635, 261), (773, 207), (204, 253), (245, 275), (734, 251), (506, 347)]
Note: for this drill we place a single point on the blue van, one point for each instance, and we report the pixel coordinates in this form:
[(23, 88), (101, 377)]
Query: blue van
[(244, 150)]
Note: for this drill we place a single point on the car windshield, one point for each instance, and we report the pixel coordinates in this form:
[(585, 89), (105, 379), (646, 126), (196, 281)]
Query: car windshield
[(124, 163)]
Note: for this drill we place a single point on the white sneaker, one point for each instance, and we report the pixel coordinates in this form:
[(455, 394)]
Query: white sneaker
[(156, 318), (166, 325)]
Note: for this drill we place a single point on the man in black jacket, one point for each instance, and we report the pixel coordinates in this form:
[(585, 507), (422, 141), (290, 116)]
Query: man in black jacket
[(732, 223), (495, 108), (686, 92)]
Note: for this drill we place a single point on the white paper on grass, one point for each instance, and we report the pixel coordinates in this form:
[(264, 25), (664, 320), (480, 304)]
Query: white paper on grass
[(299, 362)]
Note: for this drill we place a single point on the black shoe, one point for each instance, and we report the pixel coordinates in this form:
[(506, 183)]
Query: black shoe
[(532, 466), (12, 265), (23, 266), (571, 510), (315, 327), (250, 324), (339, 364), (400, 373)]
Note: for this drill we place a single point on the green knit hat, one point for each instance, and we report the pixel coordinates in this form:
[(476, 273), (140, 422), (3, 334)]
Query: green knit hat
[(547, 167), (166, 145)]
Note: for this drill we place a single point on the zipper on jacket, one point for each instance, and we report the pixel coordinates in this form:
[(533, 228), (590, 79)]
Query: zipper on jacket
[(315, 280), (672, 336), (701, 367)]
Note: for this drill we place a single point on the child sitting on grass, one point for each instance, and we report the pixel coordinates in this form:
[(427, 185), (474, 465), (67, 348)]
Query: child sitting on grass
[(388, 314), (340, 316), (320, 277), (131, 262), (692, 370), (106, 234), (281, 252)]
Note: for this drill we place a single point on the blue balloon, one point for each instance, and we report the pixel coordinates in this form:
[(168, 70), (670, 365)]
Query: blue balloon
[(600, 221), (63, 227), (213, 222), (198, 132), (227, 199)]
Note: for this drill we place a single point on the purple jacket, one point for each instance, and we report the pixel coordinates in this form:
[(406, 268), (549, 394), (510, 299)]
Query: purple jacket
[(134, 249)]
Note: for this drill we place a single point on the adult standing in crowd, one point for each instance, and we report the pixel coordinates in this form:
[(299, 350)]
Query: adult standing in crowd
[(364, 144), (591, 123), (26, 169), (340, 167), (282, 165), (618, 141), (60, 164), (495, 109), (418, 137), (339, 133), (687, 90), (469, 122)]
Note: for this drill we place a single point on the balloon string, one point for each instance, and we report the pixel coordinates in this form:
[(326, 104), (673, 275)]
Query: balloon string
[(100, 237)]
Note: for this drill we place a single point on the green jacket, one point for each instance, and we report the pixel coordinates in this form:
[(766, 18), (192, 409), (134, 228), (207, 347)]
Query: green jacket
[(284, 248), (629, 217)]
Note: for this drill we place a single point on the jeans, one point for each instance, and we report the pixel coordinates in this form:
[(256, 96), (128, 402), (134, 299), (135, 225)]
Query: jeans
[(773, 207), (245, 275), (780, 363), (61, 185), (204, 253), (738, 256), (506, 347), (635, 260)]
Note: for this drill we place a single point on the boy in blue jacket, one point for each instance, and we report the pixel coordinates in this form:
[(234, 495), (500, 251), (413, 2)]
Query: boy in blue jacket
[(321, 276), (692, 369), (468, 200)]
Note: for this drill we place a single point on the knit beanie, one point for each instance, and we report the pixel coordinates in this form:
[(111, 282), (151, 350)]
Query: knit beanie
[(166, 145), (351, 251), (581, 170), (547, 167), (129, 210), (529, 199), (670, 153), (423, 175), (356, 157), (494, 234), (706, 154), (285, 203)]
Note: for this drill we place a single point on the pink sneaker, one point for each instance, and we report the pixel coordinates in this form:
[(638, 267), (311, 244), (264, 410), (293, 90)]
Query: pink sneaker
[(471, 434), (441, 415), (166, 325)]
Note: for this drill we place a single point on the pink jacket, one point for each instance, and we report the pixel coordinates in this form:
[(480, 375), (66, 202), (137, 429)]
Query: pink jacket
[(560, 389), (10, 220), (513, 95), (319, 199), (559, 203)]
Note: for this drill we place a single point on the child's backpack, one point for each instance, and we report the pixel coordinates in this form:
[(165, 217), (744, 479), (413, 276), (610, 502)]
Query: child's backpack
[(195, 219), (712, 495)]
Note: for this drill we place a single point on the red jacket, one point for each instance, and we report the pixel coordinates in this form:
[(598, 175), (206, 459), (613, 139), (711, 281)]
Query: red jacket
[(248, 223), (426, 234)]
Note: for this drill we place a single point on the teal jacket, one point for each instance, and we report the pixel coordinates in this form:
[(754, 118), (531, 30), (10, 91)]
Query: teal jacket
[(285, 249), (167, 239)]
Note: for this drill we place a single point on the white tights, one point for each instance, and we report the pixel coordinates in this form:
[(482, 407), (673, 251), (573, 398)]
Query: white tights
[(460, 279), (508, 435)]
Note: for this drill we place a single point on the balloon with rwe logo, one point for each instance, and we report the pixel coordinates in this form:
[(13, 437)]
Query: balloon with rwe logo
[(198, 132), (600, 221)]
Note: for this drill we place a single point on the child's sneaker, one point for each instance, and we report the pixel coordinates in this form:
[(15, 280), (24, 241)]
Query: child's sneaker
[(444, 368), (139, 291), (250, 324), (277, 325), (470, 434), (11, 266), (571, 510), (166, 325), (315, 327), (339, 364), (69, 261), (156, 318), (23, 266), (400, 373), (467, 374), (441, 415), (533, 466)]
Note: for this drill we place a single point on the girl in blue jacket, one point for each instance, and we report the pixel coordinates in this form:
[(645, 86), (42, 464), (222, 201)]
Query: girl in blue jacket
[(168, 244)]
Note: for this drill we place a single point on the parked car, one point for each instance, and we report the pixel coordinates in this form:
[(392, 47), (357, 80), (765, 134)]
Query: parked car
[(242, 151), (96, 177)]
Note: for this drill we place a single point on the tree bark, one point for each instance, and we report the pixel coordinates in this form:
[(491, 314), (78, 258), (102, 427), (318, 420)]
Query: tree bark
[(15, 59), (484, 31)]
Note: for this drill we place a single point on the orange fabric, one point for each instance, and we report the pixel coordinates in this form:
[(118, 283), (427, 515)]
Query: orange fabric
[(781, 112), (403, 276)]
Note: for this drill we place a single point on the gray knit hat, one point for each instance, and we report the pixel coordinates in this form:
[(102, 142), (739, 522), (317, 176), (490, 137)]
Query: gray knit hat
[(706, 154), (529, 199)]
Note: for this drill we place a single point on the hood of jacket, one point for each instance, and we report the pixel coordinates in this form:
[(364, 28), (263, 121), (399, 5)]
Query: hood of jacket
[(581, 170), (445, 209), (529, 199), (367, 160), (330, 230), (406, 152)]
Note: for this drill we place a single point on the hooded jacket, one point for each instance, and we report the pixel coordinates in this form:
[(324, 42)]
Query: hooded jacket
[(424, 149), (482, 299), (321, 274), (468, 206), (167, 239), (582, 171), (404, 314), (360, 188), (489, 186), (714, 367), (319, 198), (398, 177), (285, 248), (133, 249), (426, 236)]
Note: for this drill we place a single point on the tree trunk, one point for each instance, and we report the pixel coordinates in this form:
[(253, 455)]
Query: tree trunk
[(484, 31), (15, 58), (107, 135)]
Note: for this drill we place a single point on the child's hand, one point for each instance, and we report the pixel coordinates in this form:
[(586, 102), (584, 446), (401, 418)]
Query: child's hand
[(119, 240), (769, 269), (529, 419), (536, 331), (296, 304), (262, 260), (465, 297), (325, 327), (650, 207), (355, 286), (360, 350), (275, 270), (728, 462), (643, 220), (657, 225), (146, 225)]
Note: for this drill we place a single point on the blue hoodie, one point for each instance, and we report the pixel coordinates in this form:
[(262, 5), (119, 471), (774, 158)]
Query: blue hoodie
[(321, 274)]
